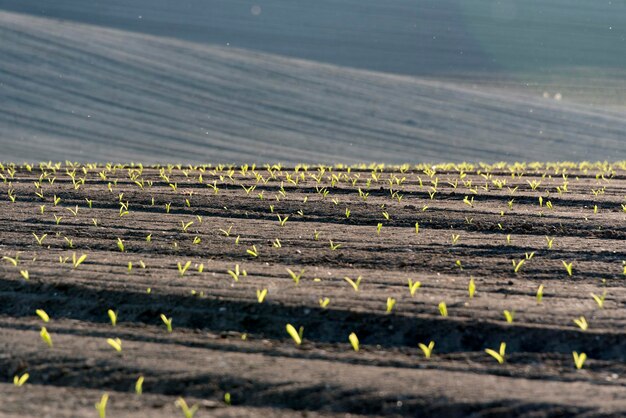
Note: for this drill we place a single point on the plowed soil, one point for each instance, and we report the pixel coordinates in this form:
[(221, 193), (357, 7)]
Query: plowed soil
[(225, 341)]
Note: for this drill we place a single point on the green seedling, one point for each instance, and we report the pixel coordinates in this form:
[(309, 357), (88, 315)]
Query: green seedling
[(112, 317), (167, 321), (347, 213), (295, 335), (517, 265), (324, 302), (188, 412), (78, 261), (443, 309), (236, 273), (186, 226), (599, 299), (568, 267), (413, 286), (550, 242), (579, 359), (40, 239), (508, 316), (455, 238), (57, 219), (139, 385), (115, 343), (20, 380), (539, 293), (253, 252), (427, 349), (295, 277), (227, 399), (582, 323), (182, 268), (11, 260), (260, 295), (334, 247), (120, 245), (25, 274), (355, 284), (471, 288), (101, 406), (417, 228), (43, 315), (282, 220), (45, 336), (498, 355), (379, 227), (73, 211), (391, 302), (354, 341)]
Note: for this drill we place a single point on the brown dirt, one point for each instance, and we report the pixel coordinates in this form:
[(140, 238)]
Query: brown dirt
[(266, 373)]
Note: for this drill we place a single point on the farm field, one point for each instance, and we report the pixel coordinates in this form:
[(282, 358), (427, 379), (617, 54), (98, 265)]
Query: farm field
[(186, 278)]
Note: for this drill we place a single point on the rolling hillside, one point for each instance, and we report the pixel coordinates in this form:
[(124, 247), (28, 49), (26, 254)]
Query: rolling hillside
[(87, 92)]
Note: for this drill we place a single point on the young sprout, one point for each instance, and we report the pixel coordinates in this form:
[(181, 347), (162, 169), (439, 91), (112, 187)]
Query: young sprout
[(354, 341), (186, 226), (333, 247), (324, 302), (579, 359), (517, 265), (508, 315), (78, 261), (115, 343), (599, 299), (43, 315), (120, 245), (295, 277), (260, 295), (149, 238), (139, 385), (11, 260), (455, 238), (353, 283), (112, 317), (417, 228), (253, 251), (498, 355), (347, 213), (167, 321), (550, 242), (296, 335), (427, 349), (582, 323), (413, 286), (40, 239), (227, 399), (391, 302), (73, 211), (443, 309), (20, 380), (471, 288), (25, 274), (282, 221), (236, 273), (101, 406), (188, 412), (379, 227), (539, 293), (182, 268), (568, 267)]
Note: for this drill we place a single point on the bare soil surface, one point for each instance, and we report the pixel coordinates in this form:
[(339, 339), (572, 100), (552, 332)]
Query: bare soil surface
[(225, 340)]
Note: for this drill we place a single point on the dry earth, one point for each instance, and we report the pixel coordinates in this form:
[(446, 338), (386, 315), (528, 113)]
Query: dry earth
[(225, 341)]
